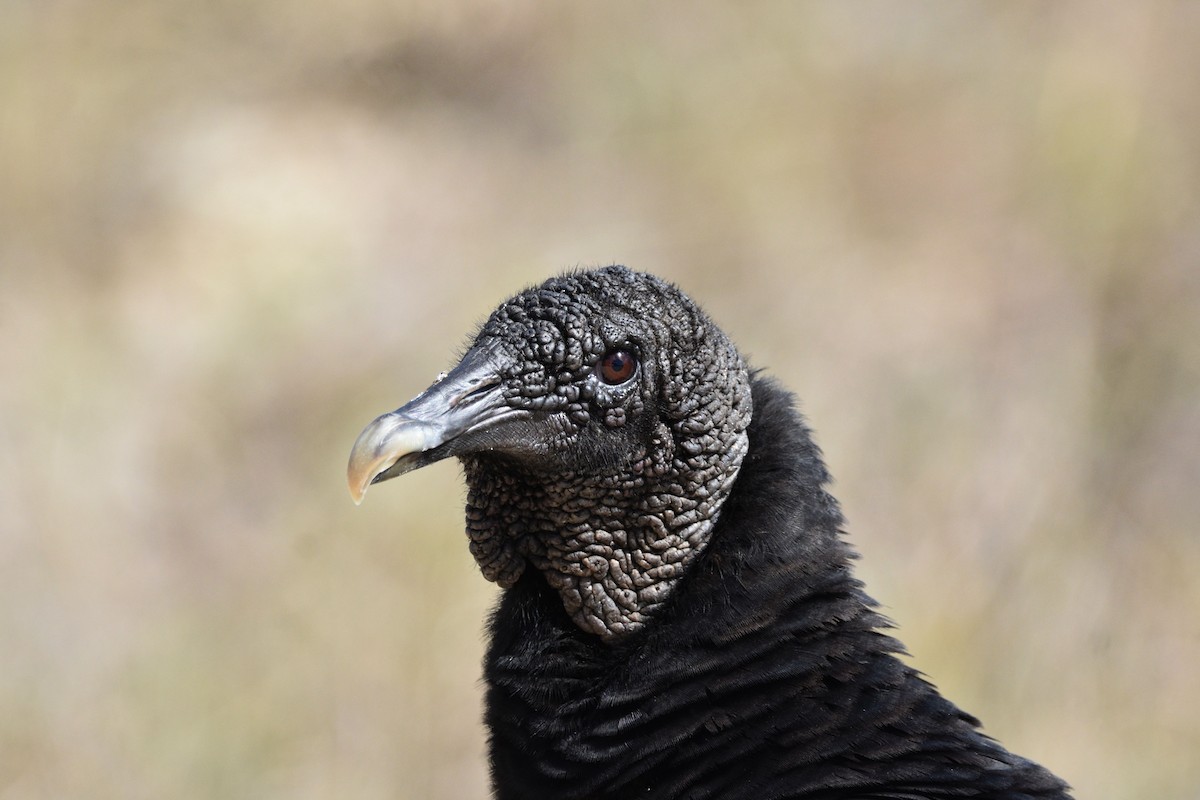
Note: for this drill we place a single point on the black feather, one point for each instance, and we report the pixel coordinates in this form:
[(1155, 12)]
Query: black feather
[(766, 674)]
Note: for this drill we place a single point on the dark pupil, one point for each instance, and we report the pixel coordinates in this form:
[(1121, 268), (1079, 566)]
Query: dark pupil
[(617, 367)]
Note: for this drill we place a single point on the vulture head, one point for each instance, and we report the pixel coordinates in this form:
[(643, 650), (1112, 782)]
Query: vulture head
[(601, 421)]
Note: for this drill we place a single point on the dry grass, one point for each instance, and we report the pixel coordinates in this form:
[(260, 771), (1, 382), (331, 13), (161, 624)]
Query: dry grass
[(968, 235)]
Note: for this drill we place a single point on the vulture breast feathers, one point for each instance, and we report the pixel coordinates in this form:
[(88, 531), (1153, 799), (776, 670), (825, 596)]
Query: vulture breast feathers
[(679, 616)]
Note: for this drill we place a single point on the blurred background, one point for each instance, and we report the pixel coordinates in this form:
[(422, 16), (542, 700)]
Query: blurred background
[(231, 233)]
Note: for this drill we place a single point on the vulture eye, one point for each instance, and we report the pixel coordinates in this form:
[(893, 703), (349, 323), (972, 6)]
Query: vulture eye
[(617, 366)]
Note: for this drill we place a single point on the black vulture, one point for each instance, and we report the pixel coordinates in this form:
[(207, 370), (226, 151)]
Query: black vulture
[(679, 616)]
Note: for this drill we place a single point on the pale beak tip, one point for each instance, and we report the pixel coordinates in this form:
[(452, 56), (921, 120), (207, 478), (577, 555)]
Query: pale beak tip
[(389, 438), (361, 473)]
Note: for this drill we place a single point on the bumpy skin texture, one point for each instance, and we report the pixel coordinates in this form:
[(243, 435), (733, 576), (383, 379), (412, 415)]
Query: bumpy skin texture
[(680, 619), (614, 504)]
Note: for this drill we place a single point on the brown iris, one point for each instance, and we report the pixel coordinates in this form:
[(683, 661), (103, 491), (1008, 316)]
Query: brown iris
[(617, 366)]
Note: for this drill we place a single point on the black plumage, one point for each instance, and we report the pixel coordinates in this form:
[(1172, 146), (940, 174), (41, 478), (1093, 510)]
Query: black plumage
[(680, 617)]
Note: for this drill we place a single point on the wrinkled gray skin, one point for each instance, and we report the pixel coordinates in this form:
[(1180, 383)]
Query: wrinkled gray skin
[(609, 491)]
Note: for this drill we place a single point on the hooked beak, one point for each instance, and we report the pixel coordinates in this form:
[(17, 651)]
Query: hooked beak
[(435, 424)]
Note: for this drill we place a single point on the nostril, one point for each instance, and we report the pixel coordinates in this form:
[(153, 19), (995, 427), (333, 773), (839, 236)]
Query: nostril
[(481, 386)]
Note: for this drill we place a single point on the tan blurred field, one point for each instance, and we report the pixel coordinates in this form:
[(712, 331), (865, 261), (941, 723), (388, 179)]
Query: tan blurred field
[(967, 234)]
